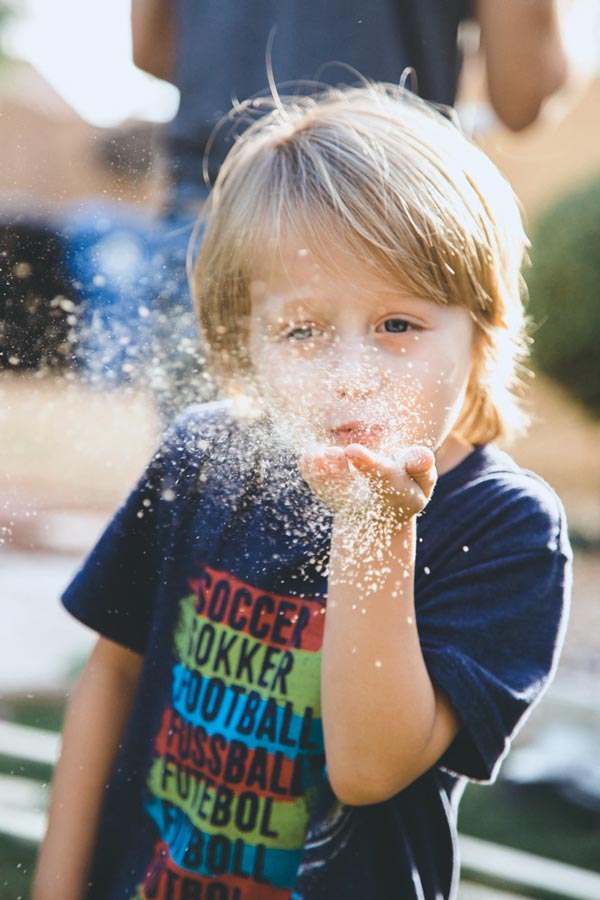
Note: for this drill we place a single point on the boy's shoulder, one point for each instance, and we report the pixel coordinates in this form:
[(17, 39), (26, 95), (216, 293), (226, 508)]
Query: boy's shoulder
[(211, 445), (202, 419), (491, 492), (197, 432), (490, 471)]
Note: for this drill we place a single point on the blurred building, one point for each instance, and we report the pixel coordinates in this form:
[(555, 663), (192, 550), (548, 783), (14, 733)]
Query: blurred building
[(49, 155), (73, 226)]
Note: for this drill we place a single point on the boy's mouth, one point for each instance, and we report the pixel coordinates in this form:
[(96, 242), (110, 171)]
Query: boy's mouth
[(356, 432)]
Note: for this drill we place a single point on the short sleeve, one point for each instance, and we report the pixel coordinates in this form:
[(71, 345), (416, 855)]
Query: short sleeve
[(491, 617), (115, 591)]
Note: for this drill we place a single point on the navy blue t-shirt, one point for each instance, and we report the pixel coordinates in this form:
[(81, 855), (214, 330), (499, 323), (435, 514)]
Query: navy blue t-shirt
[(215, 570), (222, 57)]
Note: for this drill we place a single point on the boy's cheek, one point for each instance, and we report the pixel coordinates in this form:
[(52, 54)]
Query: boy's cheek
[(287, 390)]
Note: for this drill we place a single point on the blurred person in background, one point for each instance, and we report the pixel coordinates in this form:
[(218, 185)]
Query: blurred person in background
[(215, 52)]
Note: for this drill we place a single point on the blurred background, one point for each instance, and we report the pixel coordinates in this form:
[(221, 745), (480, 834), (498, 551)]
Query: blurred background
[(81, 184)]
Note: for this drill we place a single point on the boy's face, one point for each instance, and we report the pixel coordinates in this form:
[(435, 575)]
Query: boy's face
[(347, 358)]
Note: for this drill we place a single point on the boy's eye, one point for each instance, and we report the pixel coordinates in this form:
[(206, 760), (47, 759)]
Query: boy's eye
[(302, 332), (395, 326)]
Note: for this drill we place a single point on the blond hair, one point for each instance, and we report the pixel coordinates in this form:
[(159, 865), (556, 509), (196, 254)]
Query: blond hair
[(392, 180)]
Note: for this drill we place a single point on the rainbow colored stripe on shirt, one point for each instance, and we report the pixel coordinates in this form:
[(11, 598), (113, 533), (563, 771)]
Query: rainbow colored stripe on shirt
[(239, 751)]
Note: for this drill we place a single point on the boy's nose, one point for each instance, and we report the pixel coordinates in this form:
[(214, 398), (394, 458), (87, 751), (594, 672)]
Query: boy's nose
[(352, 389), (354, 376)]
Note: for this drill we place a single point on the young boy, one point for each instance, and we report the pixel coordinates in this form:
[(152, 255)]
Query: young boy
[(330, 600)]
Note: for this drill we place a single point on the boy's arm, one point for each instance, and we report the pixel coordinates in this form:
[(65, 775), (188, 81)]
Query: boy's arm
[(384, 721), (153, 37), (524, 56), (94, 725)]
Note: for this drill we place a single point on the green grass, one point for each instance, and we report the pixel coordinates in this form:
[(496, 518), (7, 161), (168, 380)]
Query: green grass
[(39, 711), (17, 858), (45, 712), (533, 818), (16, 865)]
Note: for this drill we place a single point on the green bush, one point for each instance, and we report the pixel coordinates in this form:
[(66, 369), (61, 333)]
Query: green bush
[(564, 294)]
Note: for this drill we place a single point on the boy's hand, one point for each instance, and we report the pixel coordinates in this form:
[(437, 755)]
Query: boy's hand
[(402, 486)]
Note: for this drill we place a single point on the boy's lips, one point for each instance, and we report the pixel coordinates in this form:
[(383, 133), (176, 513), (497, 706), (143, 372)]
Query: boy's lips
[(356, 432)]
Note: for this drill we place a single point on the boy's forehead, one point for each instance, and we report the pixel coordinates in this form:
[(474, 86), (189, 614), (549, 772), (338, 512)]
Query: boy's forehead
[(290, 267), (297, 275), (262, 292)]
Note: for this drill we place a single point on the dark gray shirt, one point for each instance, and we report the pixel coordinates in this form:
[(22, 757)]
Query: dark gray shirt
[(222, 51)]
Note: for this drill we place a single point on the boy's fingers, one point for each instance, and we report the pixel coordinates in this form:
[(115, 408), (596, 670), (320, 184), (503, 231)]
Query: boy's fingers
[(331, 461), (383, 473), (366, 461), (418, 459), (419, 464), (329, 475), (415, 460)]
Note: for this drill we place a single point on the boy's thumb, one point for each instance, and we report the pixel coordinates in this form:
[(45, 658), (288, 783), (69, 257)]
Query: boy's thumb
[(419, 463), (418, 459)]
